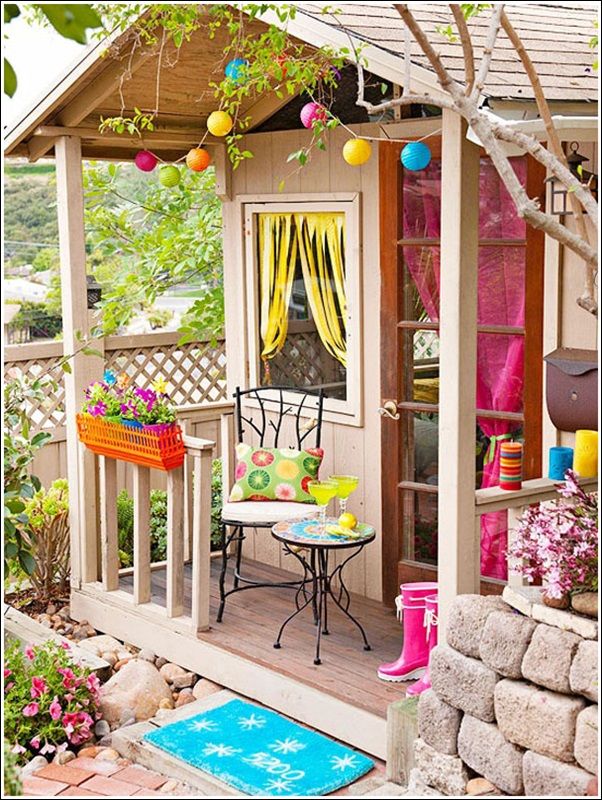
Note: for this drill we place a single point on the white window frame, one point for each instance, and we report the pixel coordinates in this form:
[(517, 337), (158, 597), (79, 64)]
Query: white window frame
[(349, 411)]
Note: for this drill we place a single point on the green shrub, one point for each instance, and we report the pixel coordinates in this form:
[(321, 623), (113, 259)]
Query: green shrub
[(50, 702), (11, 774)]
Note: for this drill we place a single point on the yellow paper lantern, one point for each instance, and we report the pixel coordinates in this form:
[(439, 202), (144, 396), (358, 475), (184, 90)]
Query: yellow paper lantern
[(357, 151), (219, 123)]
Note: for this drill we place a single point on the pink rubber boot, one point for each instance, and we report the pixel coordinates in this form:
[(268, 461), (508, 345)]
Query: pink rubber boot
[(430, 627), (413, 658)]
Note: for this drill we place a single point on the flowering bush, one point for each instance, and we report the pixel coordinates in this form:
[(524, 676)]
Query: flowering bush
[(558, 542), (50, 703), (114, 397)]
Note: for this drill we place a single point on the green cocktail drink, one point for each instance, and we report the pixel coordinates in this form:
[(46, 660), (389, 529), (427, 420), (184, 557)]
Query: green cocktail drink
[(346, 485), (322, 492)]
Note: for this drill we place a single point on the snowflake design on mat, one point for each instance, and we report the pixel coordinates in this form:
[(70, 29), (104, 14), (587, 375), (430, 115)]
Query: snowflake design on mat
[(251, 722), (287, 745), (278, 785), (203, 725), (219, 750), (343, 762)]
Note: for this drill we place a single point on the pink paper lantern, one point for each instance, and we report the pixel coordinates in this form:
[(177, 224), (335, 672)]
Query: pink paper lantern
[(145, 160), (312, 112)]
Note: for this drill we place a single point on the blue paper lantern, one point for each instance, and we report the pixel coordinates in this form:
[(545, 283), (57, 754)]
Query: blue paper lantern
[(236, 69), (415, 156)]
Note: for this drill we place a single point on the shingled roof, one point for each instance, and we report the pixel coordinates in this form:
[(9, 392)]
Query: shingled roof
[(556, 36)]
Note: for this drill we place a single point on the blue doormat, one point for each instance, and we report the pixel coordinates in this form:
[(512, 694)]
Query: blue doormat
[(261, 753)]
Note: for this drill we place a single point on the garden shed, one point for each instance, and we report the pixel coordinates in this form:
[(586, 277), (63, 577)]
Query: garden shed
[(446, 288)]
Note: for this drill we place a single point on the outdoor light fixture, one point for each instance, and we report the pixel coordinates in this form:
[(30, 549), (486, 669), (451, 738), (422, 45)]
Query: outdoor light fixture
[(559, 193), (94, 291)]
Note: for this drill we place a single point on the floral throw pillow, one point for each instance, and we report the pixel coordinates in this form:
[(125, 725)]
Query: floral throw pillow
[(275, 473)]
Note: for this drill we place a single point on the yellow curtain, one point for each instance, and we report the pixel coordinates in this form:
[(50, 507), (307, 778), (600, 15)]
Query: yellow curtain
[(320, 238), (277, 259)]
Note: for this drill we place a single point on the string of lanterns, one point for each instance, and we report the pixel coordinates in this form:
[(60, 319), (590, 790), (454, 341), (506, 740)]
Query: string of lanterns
[(415, 155)]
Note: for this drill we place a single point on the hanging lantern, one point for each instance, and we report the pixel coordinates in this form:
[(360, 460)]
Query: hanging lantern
[(559, 193), (93, 291), (312, 112), (236, 70), (198, 159), (145, 160), (415, 156), (357, 151), (219, 123), (169, 176)]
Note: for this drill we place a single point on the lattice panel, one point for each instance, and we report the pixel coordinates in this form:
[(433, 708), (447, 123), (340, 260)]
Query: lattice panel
[(194, 374), (426, 345), (303, 361), (50, 412)]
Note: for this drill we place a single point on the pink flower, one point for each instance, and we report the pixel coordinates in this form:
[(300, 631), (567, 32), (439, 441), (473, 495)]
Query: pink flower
[(31, 710), (7, 672), (55, 709), (9, 686), (93, 683), (50, 748), (70, 681), (17, 748), (29, 653), (65, 645), (78, 726), (35, 743), (38, 687)]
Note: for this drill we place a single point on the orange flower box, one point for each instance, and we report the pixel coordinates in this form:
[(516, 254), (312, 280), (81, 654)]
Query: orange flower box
[(160, 450)]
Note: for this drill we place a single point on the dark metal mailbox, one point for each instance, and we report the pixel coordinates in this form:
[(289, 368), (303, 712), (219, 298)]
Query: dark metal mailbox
[(572, 388)]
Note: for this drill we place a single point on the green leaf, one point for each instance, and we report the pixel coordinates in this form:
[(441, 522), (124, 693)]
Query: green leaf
[(10, 550), (11, 10), (71, 20), (10, 79), (27, 562), (66, 367)]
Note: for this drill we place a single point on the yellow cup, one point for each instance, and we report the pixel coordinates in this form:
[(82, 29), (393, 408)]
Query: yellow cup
[(585, 462)]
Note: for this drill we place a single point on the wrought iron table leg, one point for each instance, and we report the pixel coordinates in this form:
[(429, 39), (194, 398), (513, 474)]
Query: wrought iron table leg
[(323, 555), (222, 575)]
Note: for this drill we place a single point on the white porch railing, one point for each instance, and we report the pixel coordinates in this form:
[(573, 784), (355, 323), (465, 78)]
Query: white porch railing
[(538, 490)]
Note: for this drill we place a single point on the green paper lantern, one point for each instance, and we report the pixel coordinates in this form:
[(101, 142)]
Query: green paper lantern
[(169, 176)]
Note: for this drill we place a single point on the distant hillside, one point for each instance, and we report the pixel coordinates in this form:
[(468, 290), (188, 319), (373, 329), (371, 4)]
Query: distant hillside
[(29, 211)]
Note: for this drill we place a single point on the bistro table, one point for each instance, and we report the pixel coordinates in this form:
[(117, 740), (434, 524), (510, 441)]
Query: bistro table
[(311, 545)]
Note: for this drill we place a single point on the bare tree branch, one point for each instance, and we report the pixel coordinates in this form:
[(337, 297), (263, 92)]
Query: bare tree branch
[(466, 42), (492, 33)]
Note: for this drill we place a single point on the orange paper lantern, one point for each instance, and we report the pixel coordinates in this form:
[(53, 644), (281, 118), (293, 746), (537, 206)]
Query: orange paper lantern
[(198, 159)]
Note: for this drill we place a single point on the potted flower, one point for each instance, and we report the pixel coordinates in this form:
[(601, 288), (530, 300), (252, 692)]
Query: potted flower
[(104, 398), (150, 409), (557, 543)]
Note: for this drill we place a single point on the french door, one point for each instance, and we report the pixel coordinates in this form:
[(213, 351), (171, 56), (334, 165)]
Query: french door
[(509, 370)]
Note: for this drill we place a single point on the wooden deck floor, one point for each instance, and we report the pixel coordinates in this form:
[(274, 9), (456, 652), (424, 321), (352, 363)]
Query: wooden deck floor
[(253, 617)]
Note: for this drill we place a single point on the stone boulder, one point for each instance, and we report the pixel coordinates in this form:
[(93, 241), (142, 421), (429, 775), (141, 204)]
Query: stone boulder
[(101, 644), (137, 686)]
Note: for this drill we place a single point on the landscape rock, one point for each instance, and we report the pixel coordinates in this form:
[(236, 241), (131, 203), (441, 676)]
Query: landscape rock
[(477, 787), (467, 617), (126, 717), (482, 747), (583, 677), (36, 763), (463, 682), (137, 686), (102, 728), (537, 719), (438, 723), (160, 661), (165, 703), (566, 621), (504, 642), (184, 698), (546, 776), (586, 603), (417, 786), (548, 658), (204, 687), (183, 681), (101, 645), (64, 757), (170, 671), (586, 739), (108, 754), (147, 655), (445, 773)]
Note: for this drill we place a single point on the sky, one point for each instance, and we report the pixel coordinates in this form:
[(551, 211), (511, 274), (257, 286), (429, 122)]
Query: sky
[(39, 56)]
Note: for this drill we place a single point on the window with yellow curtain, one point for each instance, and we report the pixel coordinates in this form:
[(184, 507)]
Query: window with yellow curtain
[(302, 299)]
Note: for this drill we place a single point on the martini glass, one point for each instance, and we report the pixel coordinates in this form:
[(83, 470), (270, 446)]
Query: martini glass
[(346, 485), (322, 492)]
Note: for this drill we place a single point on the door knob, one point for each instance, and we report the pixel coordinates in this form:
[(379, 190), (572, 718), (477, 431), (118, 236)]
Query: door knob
[(389, 409)]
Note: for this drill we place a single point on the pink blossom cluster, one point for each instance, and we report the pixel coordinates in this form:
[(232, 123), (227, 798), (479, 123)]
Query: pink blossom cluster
[(557, 542)]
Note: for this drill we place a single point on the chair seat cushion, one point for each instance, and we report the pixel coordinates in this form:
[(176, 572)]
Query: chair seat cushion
[(250, 511), (281, 474)]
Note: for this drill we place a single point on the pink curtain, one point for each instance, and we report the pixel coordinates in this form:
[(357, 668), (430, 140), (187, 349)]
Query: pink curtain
[(501, 301)]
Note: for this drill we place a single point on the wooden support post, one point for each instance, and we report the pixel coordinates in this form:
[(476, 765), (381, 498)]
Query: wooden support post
[(402, 732), (142, 548), (81, 463), (459, 554), (175, 542), (108, 524), (201, 540)]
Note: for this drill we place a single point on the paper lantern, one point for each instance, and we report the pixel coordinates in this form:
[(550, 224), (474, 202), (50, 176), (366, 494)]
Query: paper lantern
[(169, 176), (145, 160), (198, 159), (312, 112), (236, 70), (415, 156), (219, 123), (357, 151)]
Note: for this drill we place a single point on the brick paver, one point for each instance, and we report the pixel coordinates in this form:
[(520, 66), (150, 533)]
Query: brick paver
[(41, 787), (78, 791), (95, 766), (65, 773), (141, 777), (110, 786)]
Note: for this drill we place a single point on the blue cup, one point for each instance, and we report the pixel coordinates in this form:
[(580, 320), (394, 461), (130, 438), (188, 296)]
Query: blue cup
[(561, 459)]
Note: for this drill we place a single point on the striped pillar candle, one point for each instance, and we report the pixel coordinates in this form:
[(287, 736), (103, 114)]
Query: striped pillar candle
[(511, 465)]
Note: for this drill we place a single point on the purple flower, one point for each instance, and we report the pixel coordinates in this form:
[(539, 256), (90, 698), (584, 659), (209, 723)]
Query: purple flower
[(99, 409)]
